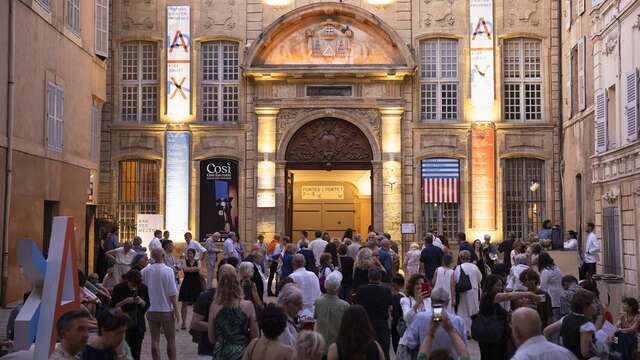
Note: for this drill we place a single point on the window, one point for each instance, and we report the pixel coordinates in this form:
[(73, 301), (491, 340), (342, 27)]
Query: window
[(139, 82), (524, 196), (96, 117), (55, 117), (522, 79), (612, 120), (439, 79), (579, 204), (611, 240), (137, 193), (73, 15), (220, 81), (441, 196), (573, 91), (51, 210), (44, 3), (102, 28)]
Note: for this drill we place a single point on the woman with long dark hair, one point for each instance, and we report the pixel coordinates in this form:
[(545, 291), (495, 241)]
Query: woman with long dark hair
[(132, 296), (356, 338)]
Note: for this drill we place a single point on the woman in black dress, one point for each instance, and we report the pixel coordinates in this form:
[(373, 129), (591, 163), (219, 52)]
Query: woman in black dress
[(191, 284), (356, 337), (109, 344), (132, 297)]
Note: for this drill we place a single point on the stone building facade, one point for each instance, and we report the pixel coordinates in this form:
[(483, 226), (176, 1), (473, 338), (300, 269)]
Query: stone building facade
[(303, 85), (59, 73), (615, 30)]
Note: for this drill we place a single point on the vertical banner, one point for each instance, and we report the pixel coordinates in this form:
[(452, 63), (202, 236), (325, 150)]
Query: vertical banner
[(178, 62), (482, 66), (483, 175), (178, 144), (218, 197)]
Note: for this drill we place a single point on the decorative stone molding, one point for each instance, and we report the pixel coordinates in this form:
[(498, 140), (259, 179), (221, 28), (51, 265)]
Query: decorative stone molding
[(213, 142), (138, 14), (610, 44), (440, 13), (218, 14), (610, 196), (613, 167), (637, 24), (636, 190), (137, 141), (523, 13), (371, 117), (286, 117)]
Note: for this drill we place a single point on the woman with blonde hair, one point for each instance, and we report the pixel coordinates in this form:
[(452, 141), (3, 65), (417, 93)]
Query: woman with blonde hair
[(412, 260), (364, 259), (309, 346), (232, 320)]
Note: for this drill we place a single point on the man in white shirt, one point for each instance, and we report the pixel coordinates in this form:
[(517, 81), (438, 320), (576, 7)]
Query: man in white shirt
[(155, 243), (163, 300), (305, 236), (352, 250), (229, 249), (513, 279), (212, 257), (199, 249), (591, 253), (532, 345), (317, 246), (308, 284)]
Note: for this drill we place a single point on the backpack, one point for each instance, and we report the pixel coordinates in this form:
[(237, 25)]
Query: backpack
[(464, 283)]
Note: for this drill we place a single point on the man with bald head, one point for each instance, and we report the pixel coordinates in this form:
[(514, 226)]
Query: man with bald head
[(307, 282), (163, 300), (532, 345)]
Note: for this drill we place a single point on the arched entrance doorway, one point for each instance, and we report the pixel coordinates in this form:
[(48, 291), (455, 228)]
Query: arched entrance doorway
[(328, 178)]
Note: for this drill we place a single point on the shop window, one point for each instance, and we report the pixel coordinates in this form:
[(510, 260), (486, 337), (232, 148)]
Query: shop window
[(138, 188), (611, 240), (139, 81), (441, 196), (439, 79), (220, 81), (523, 196), (522, 79)]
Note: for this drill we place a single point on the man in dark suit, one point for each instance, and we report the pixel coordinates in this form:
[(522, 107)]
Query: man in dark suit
[(431, 257)]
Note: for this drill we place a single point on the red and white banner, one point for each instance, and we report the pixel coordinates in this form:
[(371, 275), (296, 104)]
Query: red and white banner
[(440, 190)]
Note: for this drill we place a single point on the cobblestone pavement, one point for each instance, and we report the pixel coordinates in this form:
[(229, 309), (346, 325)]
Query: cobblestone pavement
[(187, 350)]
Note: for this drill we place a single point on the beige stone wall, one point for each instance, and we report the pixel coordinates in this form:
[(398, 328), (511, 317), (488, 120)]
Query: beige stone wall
[(47, 51)]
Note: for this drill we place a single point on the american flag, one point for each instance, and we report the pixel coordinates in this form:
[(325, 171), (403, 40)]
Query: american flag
[(440, 177)]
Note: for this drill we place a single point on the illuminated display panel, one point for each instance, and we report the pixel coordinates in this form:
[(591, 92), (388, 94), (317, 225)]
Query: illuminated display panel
[(178, 144)]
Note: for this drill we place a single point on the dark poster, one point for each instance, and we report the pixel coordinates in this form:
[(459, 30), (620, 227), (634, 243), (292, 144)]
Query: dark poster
[(218, 197)]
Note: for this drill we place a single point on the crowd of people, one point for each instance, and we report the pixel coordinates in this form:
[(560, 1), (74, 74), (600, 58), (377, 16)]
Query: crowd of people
[(344, 298)]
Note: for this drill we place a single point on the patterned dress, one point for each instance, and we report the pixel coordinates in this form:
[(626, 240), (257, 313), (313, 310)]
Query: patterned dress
[(232, 330)]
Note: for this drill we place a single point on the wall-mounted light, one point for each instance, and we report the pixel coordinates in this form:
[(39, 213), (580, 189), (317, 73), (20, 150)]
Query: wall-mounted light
[(379, 3), (277, 4), (391, 181), (534, 186)]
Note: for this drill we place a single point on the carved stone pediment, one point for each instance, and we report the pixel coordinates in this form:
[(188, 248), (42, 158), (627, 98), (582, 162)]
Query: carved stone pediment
[(139, 14), (138, 141), (329, 140)]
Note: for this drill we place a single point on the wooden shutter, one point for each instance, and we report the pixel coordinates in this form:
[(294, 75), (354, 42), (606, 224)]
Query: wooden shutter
[(102, 28), (631, 105), (569, 98), (582, 85), (580, 7), (601, 120)]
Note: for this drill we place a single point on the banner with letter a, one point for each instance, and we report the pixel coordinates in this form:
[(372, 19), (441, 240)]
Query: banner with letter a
[(178, 62)]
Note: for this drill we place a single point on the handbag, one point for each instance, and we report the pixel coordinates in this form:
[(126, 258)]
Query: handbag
[(489, 328), (464, 282)]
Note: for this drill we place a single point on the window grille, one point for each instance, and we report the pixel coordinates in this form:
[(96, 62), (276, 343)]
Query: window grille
[(138, 188), (524, 202), (522, 79), (443, 218), (139, 82), (220, 80)]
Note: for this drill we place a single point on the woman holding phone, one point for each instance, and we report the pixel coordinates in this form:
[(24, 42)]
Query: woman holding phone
[(417, 299)]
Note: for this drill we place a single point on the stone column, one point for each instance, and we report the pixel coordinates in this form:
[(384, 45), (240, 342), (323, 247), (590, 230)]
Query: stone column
[(391, 126), (266, 171)]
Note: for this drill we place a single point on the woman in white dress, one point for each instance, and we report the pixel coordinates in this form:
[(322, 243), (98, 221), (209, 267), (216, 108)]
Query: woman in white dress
[(412, 261), (121, 258), (469, 300), (443, 279)]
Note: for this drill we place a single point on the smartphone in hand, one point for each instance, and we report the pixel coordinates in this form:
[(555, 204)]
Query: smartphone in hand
[(437, 313)]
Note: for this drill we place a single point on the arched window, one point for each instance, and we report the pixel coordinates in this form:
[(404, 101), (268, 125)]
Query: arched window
[(219, 82), (138, 193), (139, 84), (524, 196), (439, 79), (441, 196), (522, 75)]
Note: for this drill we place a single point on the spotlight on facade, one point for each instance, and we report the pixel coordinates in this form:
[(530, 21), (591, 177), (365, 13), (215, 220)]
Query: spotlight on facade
[(278, 4), (379, 3), (534, 186)]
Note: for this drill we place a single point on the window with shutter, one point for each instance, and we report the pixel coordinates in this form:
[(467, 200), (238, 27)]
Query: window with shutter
[(55, 116), (582, 86), (95, 132), (631, 106), (601, 120), (73, 15), (102, 28)]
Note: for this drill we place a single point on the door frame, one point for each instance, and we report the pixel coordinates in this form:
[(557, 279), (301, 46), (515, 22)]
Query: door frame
[(320, 166)]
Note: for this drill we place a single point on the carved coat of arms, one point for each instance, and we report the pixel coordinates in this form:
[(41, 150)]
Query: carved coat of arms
[(331, 40)]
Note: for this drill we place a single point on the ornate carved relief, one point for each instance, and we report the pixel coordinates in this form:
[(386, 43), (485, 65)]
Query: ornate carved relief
[(522, 12), (610, 196), (610, 44), (286, 117), (439, 13), (329, 140), (369, 117), (138, 14), (219, 14)]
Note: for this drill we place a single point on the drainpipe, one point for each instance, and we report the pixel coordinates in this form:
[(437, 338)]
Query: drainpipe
[(560, 115), (9, 155)]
